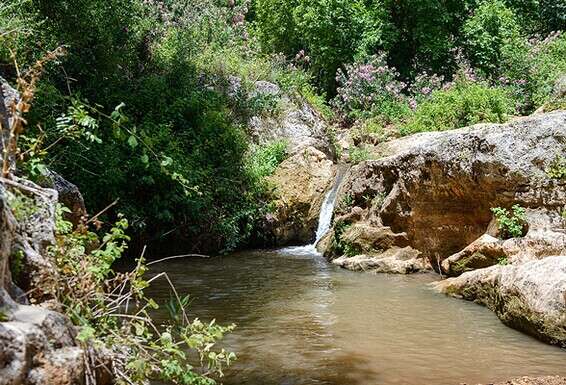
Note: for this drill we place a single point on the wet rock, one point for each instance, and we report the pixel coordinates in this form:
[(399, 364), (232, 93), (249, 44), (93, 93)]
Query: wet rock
[(300, 183), (528, 296), (393, 260)]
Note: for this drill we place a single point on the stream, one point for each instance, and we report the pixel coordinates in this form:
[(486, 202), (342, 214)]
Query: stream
[(303, 321)]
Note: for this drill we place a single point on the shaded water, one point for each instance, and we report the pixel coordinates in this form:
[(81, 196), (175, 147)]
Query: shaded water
[(303, 321)]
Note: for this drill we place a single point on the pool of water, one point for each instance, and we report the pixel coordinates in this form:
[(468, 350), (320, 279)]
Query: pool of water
[(302, 321)]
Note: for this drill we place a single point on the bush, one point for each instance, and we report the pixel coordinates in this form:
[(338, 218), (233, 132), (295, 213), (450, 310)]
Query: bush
[(531, 69), (176, 151), (492, 26), (332, 33), (359, 154), (263, 160), (369, 88), (511, 225), (465, 103)]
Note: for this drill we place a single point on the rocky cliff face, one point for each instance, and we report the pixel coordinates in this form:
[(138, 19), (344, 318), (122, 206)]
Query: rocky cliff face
[(37, 345), (300, 183), (427, 199)]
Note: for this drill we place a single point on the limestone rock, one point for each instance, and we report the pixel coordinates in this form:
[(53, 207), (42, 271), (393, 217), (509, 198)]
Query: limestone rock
[(545, 380), (437, 188), (530, 296), (37, 345), (297, 122), (545, 237), (300, 185), (393, 260)]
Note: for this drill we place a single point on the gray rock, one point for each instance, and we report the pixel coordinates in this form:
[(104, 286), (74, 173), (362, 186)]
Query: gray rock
[(69, 195), (299, 124), (8, 96), (37, 346), (263, 88), (394, 260)]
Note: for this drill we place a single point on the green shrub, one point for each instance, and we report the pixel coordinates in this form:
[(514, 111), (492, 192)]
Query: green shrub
[(531, 69), (511, 224), (502, 261), (464, 104), (180, 351), (263, 160), (359, 154), (557, 168), (492, 26)]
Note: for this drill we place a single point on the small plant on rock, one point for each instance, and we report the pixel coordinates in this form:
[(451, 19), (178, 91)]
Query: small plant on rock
[(511, 224), (359, 154), (557, 168)]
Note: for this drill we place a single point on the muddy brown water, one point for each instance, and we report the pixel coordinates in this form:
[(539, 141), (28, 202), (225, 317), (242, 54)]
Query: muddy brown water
[(303, 321)]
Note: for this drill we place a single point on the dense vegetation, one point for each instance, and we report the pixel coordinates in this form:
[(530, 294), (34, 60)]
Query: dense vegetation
[(140, 108)]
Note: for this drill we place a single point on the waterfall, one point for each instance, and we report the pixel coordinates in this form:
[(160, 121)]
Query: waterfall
[(324, 218), (327, 208)]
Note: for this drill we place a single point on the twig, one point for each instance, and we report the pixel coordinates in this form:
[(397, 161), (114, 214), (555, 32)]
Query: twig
[(163, 274), (176, 257), (103, 211)]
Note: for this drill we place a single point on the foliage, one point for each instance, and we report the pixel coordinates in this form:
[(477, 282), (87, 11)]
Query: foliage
[(463, 104), (174, 149), (21, 205), (510, 224), (557, 168), (331, 32), (263, 160), (502, 261), (367, 87), (492, 27), (339, 245), (17, 266), (359, 154), (112, 313)]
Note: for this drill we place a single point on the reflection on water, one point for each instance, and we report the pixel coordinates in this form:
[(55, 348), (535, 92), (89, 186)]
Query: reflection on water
[(302, 321)]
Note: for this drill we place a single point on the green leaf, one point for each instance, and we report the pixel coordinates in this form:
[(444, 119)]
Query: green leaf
[(86, 334), (145, 159), (132, 141)]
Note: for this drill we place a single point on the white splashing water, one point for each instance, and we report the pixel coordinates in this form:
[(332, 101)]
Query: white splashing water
[(324, 219)]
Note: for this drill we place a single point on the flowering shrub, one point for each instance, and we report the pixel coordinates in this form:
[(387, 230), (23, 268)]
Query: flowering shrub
[(422, 87), (367, 87)]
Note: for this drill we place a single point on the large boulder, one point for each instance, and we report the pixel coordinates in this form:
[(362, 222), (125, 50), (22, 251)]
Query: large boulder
[(528, 296), (545, 237), (436, 190), (300, 183)]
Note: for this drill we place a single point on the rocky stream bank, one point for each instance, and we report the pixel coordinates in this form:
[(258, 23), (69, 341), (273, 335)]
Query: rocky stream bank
[(423, 202)]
